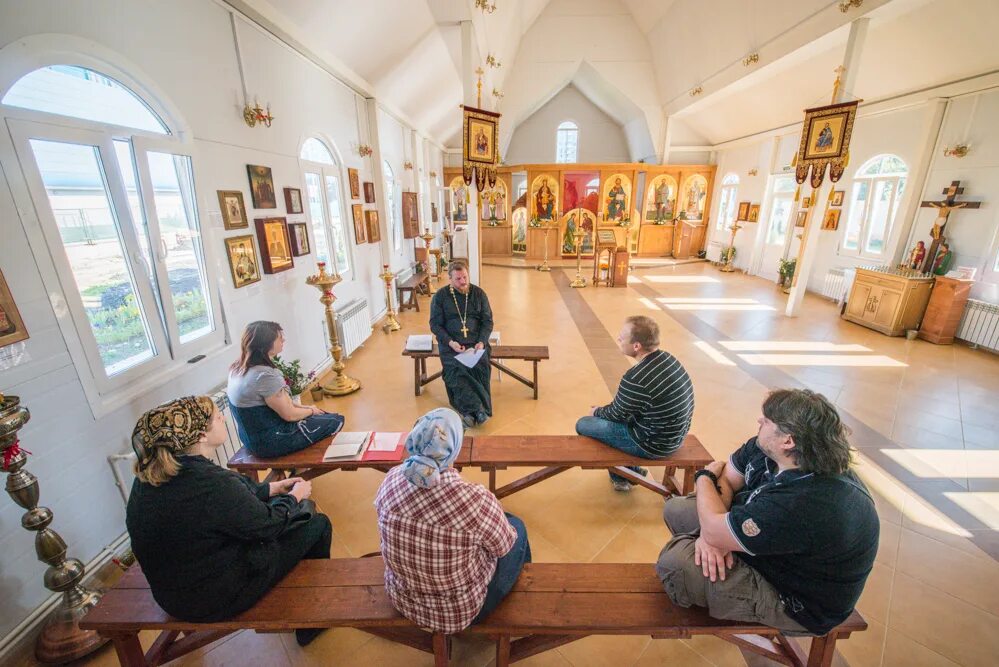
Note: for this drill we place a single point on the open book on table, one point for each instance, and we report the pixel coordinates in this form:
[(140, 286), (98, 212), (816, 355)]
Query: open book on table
[(346, 445)]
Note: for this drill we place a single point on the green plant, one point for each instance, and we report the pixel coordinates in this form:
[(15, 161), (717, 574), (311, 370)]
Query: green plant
[(785, 268), (727, 254), (294, 378)]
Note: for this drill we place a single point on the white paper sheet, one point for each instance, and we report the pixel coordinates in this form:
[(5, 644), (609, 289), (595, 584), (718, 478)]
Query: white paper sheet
[(420, 343), (470, 357), (384, 442)]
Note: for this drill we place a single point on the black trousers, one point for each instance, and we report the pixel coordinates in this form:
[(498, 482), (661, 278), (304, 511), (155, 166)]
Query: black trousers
[(311, 540)]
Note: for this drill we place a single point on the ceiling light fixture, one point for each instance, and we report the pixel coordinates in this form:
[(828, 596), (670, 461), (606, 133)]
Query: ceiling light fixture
[(485, 6), (497, 94), (957, 151), (751, 59), (696, 91), (845, 5), (492, 62)]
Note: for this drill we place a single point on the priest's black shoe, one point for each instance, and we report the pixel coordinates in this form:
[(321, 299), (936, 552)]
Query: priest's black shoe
[(481, 417), (468, 421), (304, 636)]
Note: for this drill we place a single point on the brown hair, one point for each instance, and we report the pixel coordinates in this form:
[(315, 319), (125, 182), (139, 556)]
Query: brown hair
[(456, 265), (644, 331), (255, 347), (820, 443)]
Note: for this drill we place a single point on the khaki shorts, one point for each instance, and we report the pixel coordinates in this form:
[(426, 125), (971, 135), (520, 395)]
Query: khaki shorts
[(744, 595)]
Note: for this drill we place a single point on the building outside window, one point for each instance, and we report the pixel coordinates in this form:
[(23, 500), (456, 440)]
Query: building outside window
[(567, 142), (874, 198)]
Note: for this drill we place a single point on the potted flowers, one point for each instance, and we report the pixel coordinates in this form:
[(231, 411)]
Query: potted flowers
[(294, 378), (785, 269)]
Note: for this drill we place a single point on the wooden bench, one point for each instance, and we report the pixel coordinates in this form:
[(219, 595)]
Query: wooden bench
[(407, 289), (552, 604), (558, 453), (532, 353)]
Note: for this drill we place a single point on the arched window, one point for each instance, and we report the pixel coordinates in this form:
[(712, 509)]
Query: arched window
[(321, 173), (395, 229), (727, 207), (567, 142), (876, 192), (114, 190)]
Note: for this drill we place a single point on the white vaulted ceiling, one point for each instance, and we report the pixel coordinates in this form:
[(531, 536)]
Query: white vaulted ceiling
[(635, 59)]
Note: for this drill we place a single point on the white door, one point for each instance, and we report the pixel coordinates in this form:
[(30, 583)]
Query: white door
[(779, 226)]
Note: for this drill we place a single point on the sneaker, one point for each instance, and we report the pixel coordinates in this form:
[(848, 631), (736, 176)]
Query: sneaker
[(621, 485), (468, 421), (304, 636), (481, 417)]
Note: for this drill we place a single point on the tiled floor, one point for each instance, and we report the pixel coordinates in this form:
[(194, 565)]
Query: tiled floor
[(923, 416)]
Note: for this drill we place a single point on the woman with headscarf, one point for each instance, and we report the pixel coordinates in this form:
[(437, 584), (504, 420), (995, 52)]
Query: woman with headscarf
[(212, 542), (270, 424), (451, 554)]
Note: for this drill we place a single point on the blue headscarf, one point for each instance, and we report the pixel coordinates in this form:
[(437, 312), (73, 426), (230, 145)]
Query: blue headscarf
[(432, 445)]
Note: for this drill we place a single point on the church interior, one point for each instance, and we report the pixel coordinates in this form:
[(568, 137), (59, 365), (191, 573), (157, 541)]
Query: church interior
[(801, 194)]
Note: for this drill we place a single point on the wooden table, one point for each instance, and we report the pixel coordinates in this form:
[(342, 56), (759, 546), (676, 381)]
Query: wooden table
[(558, 453), (497, 353), (554, 453)]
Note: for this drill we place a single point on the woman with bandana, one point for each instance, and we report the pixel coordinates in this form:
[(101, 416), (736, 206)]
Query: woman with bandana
[(451, 554), (212, 542)]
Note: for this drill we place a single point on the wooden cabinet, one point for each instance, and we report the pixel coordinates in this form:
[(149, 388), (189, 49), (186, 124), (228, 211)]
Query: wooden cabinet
[(536, 243), (888, 302), (688, 239), (943, 314), (497, 240), (655, 241)]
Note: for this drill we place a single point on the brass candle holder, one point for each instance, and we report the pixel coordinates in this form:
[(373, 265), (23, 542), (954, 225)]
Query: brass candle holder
[(544, 265), (436, 253), (580, 281), (341, 384), (427, 237), (728, 268), (391, 323), (62, 640)]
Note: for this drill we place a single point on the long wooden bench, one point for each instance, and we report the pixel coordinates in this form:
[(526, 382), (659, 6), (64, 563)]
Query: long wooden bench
[(557, 453), (554, 453), (532, 353), (418, 282), (552, 604)]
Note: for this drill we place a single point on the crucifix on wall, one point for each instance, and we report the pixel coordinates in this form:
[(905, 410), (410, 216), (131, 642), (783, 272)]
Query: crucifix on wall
[(943, 212)]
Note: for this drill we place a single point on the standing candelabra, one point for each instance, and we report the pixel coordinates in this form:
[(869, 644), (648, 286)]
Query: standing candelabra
[(341, 384), (580, 281), (391, 323), (62, 640), (730, 251), (427, 237), (544, 265), (448, 248)]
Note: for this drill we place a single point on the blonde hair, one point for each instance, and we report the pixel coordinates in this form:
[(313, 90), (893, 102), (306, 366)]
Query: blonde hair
[(163, 465)]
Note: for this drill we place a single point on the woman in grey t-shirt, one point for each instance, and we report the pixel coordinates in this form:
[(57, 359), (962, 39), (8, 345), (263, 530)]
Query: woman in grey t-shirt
[(270, 424)]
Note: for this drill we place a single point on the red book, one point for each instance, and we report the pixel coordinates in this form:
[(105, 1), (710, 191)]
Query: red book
[(375, 452)]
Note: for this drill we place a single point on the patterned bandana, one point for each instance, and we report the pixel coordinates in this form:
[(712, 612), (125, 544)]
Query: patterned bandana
[(175, 425), (432, 445)]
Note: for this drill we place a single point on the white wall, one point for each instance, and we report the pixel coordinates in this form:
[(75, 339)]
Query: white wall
[(601, 138), (182, 51)]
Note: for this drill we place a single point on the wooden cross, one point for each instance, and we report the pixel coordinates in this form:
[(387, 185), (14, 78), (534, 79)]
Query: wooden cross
[(943, 212)]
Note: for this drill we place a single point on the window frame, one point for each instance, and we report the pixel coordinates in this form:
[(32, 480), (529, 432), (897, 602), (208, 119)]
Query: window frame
[(567, 127), (897, 181), (729, 184), (335, 171), (105, 393)]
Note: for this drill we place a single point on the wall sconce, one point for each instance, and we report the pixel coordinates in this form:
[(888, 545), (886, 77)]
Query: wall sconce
[(253, 115), (433, 174), (753, 172), (696, 91), (485, 6), (957, 151), (407, 165), (492, 62), (845, 5), (751, 59), (364, 150), (497, 94)]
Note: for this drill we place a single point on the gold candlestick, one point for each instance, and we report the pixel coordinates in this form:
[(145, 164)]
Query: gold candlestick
[(391, 323), (544, 265), (436, 252), (341, 384), (577, 236), (427, 237), (730, 251), (62, 640)]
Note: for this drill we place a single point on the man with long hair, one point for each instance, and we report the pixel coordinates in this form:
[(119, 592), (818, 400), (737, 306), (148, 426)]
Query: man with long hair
[(783, 533)]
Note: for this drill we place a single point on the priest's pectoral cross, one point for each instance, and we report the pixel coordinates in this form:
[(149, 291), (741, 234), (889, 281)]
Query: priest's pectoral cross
[(464, 331), (943, 212)]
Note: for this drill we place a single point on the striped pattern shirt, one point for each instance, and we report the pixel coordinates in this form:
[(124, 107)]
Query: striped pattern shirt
[(440, 547), (656, 401)]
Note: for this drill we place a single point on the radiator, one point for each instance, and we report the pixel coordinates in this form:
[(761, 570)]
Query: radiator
[(980, 324), (714, 251), (834, 286), (121, 464), (353, 325)]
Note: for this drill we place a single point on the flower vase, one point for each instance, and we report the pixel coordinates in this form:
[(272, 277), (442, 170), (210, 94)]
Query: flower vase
[(317, 394)]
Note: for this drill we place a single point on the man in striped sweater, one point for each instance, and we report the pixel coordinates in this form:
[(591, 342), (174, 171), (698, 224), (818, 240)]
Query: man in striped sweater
[(651, 413)]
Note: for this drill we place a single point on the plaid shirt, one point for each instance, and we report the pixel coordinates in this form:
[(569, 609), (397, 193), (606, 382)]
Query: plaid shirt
[(440, 547)]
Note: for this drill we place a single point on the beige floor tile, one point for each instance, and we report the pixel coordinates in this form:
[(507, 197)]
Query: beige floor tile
[(862, 649), (261, 649), (901, 651), (950, 570), (874, 602), (328, 648), (604, 651), (670, 652)]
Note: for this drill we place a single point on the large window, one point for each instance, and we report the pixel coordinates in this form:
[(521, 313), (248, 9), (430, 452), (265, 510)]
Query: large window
[(567, 142), (727, 207), (322, 194), (394, 224), (781, 203), (874, 198), (114, 192)]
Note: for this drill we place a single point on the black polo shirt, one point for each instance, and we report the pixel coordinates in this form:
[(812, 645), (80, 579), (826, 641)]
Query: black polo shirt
[(814, 537)]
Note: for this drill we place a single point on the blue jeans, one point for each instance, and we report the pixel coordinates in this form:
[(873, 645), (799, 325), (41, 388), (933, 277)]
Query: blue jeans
[(508, 568), (614, 434)]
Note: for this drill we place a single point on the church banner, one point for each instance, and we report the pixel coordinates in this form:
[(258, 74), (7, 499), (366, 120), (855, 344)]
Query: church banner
[(480, 146), (825, 141)]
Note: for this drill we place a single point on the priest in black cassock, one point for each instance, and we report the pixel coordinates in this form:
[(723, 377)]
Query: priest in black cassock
[(461, 319)]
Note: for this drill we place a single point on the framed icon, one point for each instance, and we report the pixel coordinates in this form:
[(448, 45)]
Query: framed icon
[(261, 186), (275, 244), (233, 209), (243, 263), (293, 200), (299, 232)]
